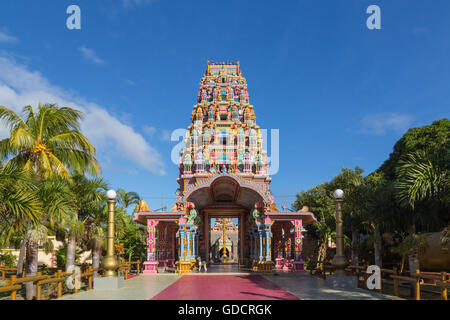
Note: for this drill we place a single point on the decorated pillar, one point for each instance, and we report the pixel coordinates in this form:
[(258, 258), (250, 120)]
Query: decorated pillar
[(255, 237), (251, 244), (151, 265), (188, 242), (171, 245), (194, 244), (268, 234), (182, 241), (242, 236), (197, 234), (298, 260), (206, 236), (261, 243)]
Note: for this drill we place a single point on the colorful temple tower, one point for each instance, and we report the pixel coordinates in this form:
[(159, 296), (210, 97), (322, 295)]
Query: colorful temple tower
[(224, 174)]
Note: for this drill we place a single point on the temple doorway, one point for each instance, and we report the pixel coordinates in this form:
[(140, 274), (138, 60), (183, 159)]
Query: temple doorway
[(224, 240)]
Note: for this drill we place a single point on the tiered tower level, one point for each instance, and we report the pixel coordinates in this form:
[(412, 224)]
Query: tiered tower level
[(223, 136)]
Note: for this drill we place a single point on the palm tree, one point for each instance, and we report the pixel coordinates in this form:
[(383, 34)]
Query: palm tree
[(126, 199), (88, 197), (19, 206), (380, 207), (423, 176), (47, 144), (34, 238), (423, 186), (57, 207), (95, 228)]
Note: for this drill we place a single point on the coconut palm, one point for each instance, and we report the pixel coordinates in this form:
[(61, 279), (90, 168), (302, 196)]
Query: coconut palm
[(423, 186), (126, 199), (48, 142), (36, 236), (18, 200), (423, 176), (380, 208), (88, 196), (57, 207), (19, 207), (95, 229)]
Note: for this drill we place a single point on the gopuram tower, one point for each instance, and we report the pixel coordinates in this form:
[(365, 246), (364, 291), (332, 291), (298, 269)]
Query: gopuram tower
[(224, 174), (223, 136)]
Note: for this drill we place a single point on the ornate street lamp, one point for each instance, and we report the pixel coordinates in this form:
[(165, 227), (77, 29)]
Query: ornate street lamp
[(110, 263), (339, 260)]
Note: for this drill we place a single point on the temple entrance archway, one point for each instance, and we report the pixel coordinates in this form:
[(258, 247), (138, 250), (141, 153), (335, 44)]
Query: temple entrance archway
[(224, 196)]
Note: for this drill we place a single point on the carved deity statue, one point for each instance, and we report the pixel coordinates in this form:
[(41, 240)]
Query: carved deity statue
[(231, 93), (211, 113), (204, 96), (187, 162), (235, 113), (199, 114), (206, 136), (259, 163)]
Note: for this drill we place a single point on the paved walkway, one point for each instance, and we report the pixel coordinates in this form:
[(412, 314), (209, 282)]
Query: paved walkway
[(227, 287), (307, 287), (143, 287), (224, 287)]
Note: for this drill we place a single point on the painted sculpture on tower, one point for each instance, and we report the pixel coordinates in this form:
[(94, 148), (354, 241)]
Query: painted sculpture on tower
[(224, 124)]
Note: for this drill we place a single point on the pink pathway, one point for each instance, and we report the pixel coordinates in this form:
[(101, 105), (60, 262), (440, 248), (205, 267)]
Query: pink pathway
[(232, 287)]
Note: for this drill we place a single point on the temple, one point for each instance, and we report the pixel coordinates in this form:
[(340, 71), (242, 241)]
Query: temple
[(224, 176)]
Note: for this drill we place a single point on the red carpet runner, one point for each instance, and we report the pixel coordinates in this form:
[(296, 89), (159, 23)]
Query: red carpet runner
[(233, 287)]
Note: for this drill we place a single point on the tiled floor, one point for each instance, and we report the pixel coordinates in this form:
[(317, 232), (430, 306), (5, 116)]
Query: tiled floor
[(227, 286)]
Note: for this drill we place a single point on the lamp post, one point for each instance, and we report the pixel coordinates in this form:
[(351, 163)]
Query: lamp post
[(339, 260), (110, 263)]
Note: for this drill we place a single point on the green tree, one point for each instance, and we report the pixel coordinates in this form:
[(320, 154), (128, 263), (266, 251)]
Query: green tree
[(126, 199), (350, 182), (88, 196), (429, 139), (46, 144), (19, 207), (320, 201)]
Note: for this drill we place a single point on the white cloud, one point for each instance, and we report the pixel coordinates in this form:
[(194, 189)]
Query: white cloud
[(6, 38), (90, 55), (379, 124), (150, 131), (20, 87), (162, 134), (166, 135)]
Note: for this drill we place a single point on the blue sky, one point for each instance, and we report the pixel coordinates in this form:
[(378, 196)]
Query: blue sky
[(339, 93)]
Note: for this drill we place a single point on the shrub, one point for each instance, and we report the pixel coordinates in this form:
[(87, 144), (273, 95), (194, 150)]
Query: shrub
[(8, 259)]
